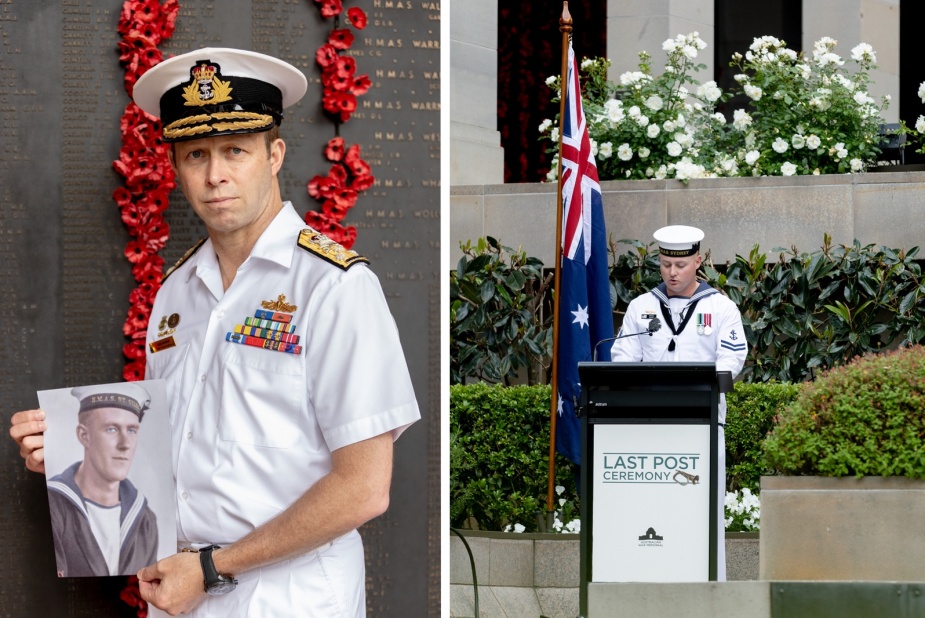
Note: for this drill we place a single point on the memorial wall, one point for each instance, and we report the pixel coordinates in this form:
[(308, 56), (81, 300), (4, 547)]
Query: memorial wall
[(65, 282)]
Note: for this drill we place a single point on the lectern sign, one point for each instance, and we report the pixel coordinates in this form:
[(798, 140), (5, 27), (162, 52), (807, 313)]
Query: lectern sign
[(651, 505)]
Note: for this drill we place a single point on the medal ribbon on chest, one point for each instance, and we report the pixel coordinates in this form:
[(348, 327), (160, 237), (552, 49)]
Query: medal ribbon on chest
[(270, 328)]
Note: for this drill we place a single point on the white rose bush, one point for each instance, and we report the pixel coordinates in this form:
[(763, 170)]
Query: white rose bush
[(804, 114)]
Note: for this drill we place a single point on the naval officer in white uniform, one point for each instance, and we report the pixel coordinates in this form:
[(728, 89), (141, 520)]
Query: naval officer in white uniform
[(285, 376), (700, 324)]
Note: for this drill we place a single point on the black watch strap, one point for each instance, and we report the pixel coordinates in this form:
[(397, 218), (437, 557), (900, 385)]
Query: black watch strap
[(213, 581)]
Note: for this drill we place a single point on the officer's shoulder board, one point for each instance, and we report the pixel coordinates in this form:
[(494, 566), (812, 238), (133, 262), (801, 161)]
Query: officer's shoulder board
[(185, 257), (318, 244)]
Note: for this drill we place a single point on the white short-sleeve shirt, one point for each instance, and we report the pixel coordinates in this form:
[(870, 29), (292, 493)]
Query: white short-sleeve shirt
[(252, 428)]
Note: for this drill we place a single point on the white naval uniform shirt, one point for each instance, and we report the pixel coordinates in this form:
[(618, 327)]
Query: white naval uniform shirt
[(253, 429), (725, 345)]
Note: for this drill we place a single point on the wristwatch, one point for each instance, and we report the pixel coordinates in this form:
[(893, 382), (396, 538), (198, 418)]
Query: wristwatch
[(215, 583)]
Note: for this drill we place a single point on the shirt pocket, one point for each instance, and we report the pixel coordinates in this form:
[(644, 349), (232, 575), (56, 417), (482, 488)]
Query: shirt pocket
[(168, 365), (261, 398)]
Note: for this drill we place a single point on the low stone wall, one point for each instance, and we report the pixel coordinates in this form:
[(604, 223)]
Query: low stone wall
[(883, 208), (538, 574)]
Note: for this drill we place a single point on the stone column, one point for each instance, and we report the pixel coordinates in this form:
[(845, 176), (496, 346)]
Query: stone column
[(860, 21), (476, 155), (643, 25)]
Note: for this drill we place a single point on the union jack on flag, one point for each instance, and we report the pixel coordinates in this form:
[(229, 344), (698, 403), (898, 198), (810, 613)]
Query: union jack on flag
[(585, 314)]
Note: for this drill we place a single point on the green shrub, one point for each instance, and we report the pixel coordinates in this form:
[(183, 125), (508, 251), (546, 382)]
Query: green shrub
[(499, 455), (750, 413), (496, 319), (864, 418), (499, 449)]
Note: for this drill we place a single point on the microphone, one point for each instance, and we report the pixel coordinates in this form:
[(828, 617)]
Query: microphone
[(654, 326)]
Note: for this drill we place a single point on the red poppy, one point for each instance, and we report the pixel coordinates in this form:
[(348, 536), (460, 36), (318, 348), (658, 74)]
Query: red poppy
[(338, 173), (345, 66), (345, 198), (362, 183), (144, 293), (134, 349), (334, 151), (137, 319), (321, 222), (361, 85), (133, 372), (337, 82), (326, 56), (357, 17), (343, 103), (331, 8), (358, 166), (341, 38), (154, 202), (149, 270)]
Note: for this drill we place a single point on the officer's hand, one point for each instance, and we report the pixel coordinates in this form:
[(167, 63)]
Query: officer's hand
[(27, 428), (173, 584)]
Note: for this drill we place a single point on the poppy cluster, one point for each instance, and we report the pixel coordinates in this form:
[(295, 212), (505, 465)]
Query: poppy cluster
[(145, 169), (338, 190)]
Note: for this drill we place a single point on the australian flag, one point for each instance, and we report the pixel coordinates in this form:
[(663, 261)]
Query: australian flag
[(585, 315)]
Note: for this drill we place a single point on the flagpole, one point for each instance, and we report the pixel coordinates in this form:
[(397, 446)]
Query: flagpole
[(565, 27)]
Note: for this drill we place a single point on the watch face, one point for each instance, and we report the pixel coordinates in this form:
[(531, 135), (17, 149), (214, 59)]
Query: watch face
[(223, 586)]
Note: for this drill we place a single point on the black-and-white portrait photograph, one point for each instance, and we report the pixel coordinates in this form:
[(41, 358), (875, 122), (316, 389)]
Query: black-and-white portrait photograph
[(109, 477)]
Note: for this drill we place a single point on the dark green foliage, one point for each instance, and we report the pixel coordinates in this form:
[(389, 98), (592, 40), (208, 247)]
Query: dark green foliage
[(803, 313), (864, 418), (811, 311), (496, 321), (750, 413), (499, 455)]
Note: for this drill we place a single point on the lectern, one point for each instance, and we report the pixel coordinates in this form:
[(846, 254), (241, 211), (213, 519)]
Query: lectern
[(649, 454)]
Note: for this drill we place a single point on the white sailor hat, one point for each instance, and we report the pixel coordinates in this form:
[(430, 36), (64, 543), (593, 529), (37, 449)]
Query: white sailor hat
[(125, 396), (678, 240), (218, 91)]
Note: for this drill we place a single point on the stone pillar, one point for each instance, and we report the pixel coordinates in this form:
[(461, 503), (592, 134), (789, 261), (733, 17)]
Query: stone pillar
[(643, 25), (860, 21), (476, 155)]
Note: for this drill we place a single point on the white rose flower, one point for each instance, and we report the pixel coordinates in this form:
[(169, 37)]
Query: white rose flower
[(615, 114), (718, 117), (661, 172), (669, 45), (551, 80), (797, 141), (780, 146), (863, 53), (750, 139), (642, 120), (690, 51), (554, 135), (709, 91), (654, 103), (816, 172), (788, 169), (813, 141), (643, 153), (685, 139), (518, 528), (753, 92), (862, 98), (742, 78), (752, 156), (650, 172), (673, 148), (805, 70), (606, 150), (922, 91), (920, 124), (544, 126), (593, 147), (857, 165), (841, 151), (587, 62), (634, 111), (669, 126), (653, 130), (741, 120), (680, 121), (624, 152)]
